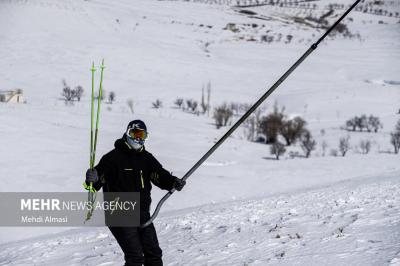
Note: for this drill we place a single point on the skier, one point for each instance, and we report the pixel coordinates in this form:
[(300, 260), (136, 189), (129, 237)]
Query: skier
[(130, 168)]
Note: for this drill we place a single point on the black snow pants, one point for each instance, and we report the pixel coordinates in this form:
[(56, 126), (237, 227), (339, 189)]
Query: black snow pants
[(140, 245)]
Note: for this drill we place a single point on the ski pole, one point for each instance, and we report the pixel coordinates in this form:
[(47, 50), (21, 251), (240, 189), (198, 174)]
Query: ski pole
[(90, 187), (93, 69), (93, 139), (249, 112), (100, 95)]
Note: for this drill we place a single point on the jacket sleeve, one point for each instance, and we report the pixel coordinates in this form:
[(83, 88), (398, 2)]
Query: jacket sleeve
[(159, 176), (104, 170)]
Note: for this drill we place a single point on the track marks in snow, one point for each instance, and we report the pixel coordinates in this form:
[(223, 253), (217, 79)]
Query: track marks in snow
[(339, 225), (330, 226)]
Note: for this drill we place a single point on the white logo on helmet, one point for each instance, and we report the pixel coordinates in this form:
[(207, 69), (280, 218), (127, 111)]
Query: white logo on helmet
[(136, 126)]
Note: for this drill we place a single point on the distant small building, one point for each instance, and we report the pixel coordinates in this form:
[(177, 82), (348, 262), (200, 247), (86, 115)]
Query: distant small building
[(12, 96)]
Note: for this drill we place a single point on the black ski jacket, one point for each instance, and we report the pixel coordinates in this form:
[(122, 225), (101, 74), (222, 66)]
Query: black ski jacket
[(126, 170)]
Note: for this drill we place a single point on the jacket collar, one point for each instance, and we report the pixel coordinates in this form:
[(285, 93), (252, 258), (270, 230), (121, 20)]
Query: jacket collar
[(122, 144)]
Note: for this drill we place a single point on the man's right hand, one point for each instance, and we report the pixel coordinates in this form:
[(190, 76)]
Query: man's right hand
[(91, 176), (179, 183)]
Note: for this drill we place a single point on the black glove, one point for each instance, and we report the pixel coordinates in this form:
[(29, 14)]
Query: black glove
[(179, 184), (91, 176)]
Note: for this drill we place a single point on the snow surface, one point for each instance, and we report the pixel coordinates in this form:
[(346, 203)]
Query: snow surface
[(352, 223), (168, 49)]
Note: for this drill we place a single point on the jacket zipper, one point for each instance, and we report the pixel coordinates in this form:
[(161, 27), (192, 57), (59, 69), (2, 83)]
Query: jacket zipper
[(141, 178)]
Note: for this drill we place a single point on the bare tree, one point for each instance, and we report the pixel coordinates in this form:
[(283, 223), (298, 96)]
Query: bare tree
[(277, 149), (292, 129), (208, 98), (192, 105), (395, 138), (235, 107), (203, 102), (374, 123), (179, 102), (307, 143), (365, 146), (129, 102), (252, 124), (395, 141), (344, 145), (222, 115), (271, 124), (67, 93), (78, 92), (111, 97), (362, 122), (157, 104), (250, 128), (204, 105), (324, 146), (351, 124), (288, 38)]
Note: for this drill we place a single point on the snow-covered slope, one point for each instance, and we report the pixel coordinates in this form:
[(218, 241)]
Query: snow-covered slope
[(352, 223), (169, 49)]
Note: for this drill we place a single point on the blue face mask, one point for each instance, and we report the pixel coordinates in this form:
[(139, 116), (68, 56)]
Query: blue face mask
[(135, 144)]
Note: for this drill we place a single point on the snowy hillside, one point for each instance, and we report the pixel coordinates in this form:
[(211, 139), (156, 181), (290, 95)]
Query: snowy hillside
[(350, 224), (169, 49)]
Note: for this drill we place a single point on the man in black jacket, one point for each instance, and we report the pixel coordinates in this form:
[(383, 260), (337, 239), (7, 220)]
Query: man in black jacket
[(130, 168)]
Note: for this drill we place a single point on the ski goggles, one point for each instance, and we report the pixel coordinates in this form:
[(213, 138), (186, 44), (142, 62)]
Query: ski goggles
[(136, 133)]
